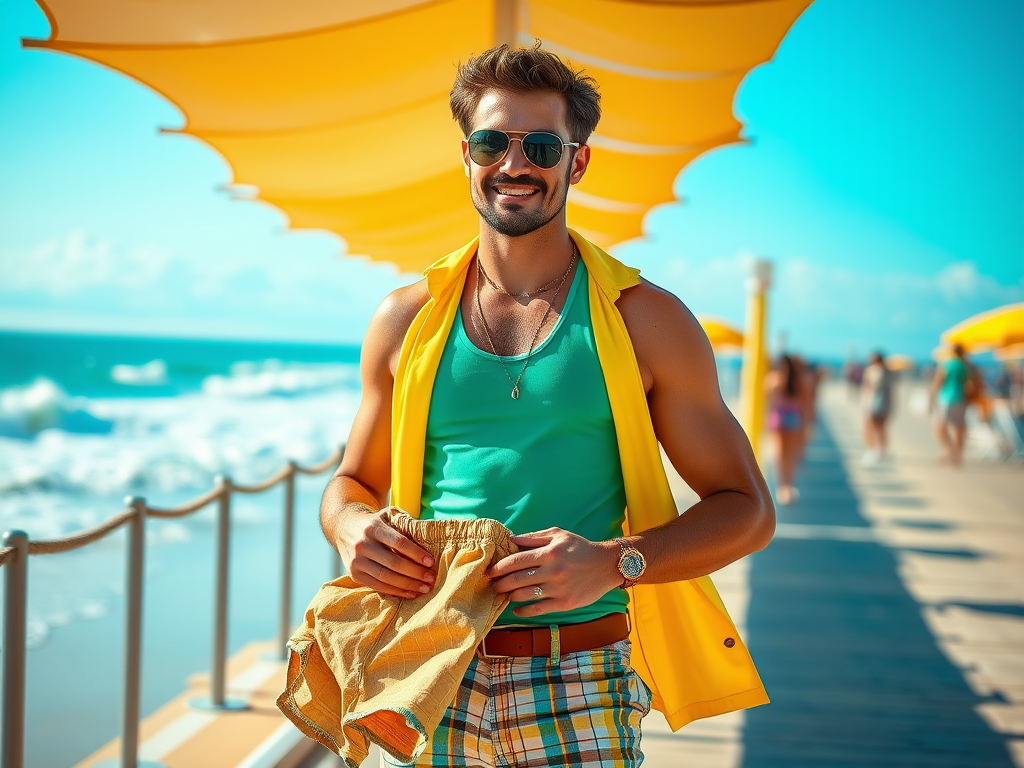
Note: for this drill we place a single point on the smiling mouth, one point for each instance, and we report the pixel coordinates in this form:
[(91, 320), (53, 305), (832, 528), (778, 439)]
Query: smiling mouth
[(523, 192)]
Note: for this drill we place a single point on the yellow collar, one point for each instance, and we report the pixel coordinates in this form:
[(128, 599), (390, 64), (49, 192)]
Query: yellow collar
[(609, 273)]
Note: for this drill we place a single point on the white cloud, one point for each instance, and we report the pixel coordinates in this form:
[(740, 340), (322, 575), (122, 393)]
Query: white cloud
[(295, 287), (824, 308), (963, 281), (77, 262)]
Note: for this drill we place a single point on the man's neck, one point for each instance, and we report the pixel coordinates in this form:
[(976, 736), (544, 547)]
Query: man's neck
[(521, 264)]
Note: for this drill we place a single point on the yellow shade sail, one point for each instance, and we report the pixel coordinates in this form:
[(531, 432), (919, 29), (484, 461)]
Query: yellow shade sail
[(335, 111), (721, 334), (990, 330)]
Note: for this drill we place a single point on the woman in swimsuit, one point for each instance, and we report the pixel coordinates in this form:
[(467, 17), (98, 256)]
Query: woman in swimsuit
[(785, 423)]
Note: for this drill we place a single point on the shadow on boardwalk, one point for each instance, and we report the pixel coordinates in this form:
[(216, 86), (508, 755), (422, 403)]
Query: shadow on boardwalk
[(854, 675)]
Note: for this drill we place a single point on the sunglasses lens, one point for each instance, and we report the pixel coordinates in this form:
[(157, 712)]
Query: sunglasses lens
[(487, 147), (542, 149)]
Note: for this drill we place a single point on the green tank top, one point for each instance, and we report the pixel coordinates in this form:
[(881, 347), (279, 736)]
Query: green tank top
[(548, 459)]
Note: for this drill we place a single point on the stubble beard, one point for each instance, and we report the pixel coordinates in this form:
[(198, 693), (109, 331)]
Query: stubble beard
[(516, 222)]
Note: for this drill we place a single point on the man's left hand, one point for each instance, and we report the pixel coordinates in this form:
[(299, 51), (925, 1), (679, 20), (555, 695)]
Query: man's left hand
[(570, 571)]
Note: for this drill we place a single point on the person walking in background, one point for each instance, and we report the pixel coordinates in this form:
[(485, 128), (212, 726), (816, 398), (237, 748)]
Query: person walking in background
[(1009, 386), (876, 403), (786, 423), (956, 382), (1004, 415), (812, 375), (852, 373)]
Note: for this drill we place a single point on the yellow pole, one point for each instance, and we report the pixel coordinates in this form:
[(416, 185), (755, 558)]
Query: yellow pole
[(755, 355)]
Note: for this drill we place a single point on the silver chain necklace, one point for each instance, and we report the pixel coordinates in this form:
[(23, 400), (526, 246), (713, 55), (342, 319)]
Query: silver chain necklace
[(529, 294), (487, 330)]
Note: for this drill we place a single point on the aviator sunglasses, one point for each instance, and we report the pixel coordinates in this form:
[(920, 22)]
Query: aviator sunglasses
[(544, 150)]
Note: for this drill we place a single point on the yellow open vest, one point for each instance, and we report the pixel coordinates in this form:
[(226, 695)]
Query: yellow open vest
[(685, 646)]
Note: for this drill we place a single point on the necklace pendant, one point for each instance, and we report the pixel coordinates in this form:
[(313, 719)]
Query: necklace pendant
[(515, 392)]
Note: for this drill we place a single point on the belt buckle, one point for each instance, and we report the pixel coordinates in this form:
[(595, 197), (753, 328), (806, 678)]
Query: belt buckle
[(485, 654)]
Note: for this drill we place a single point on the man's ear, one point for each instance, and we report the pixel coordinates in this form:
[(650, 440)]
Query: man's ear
[(580, 161), (465, 156)]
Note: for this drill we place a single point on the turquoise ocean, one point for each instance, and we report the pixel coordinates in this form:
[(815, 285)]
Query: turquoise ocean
[(88, 420)]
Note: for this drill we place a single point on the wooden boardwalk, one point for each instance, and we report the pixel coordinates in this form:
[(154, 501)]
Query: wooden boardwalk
[(887, 617)]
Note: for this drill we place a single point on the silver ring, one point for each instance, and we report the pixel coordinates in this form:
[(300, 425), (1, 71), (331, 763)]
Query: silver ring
[(538, 591), (531, 573)]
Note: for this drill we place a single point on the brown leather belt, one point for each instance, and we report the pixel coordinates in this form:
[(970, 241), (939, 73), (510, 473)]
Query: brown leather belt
[(557, 640)]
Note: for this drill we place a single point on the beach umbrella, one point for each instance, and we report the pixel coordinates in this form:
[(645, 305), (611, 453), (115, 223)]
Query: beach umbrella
[(900, 363), (1010, 352), (990, 330), (720, 333), (336, 111)]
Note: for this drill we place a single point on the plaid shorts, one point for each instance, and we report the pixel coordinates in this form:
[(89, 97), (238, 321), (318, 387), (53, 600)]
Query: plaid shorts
[(525, 711)]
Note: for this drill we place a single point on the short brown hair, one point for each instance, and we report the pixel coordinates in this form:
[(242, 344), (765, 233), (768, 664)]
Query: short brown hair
[(521, 70)]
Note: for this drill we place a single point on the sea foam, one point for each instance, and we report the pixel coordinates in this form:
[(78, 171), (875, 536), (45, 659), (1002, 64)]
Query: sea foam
[(239, 425), (152, 374), (26, 411)]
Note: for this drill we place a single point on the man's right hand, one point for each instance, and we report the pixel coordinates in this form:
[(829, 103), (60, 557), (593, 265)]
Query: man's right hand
[(379, 557)]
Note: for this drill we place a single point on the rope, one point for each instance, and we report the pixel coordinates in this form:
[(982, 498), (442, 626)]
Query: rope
[(270, 482), (76, 540), (188, 507), (88, 536), (331, 461)]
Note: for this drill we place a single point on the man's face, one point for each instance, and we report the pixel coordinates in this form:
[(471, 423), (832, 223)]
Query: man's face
[(514, 196)]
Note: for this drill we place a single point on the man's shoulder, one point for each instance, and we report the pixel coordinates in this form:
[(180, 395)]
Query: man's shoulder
[(401, 305), (393, 317), (653, 313)]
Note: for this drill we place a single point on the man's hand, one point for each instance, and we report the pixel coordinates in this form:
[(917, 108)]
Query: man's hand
[(571, 572), (379, 557)]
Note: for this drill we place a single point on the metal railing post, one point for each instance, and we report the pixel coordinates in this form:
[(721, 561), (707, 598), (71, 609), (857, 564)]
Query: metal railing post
[(136, 546), (337, 567), (220, 602), (16, 598), (284, 627), (218, 681)]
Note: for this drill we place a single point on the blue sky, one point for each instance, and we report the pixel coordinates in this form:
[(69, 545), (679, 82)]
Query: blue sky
[(884, 178)]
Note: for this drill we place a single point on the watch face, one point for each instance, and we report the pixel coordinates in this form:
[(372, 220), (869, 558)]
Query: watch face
[(632, 566)]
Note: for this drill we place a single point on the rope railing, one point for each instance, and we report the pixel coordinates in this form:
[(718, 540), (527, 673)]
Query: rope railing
[(188, 507), (17, 547), (270, 482), (318, 469), (80, 539)]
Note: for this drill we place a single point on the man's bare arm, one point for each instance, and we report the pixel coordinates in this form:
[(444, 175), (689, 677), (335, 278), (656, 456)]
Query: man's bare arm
[(701, 438), (374, 553)]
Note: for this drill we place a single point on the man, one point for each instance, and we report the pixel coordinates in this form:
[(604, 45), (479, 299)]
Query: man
[(504, 386)]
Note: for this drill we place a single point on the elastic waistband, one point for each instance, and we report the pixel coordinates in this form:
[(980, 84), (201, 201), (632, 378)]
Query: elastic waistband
[(437, 535)]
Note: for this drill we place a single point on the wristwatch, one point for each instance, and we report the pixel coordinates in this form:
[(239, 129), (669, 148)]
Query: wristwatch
[(631, 564)]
